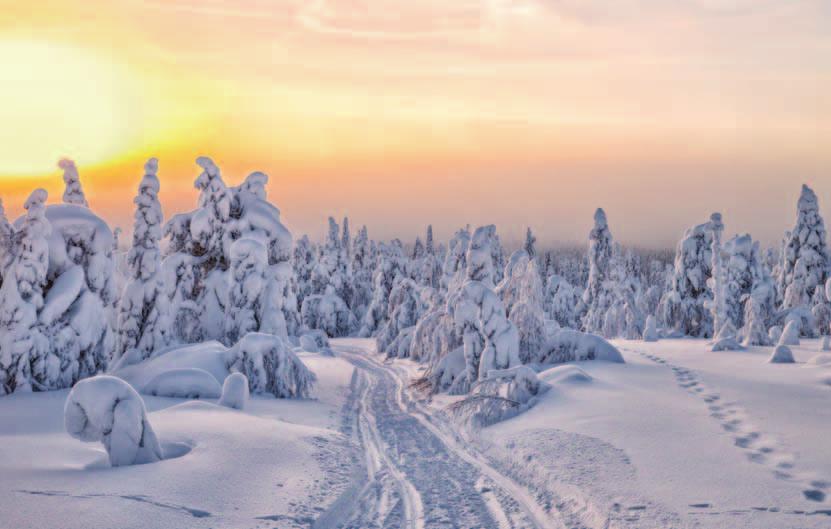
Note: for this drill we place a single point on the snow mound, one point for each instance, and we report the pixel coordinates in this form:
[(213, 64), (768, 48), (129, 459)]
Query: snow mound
[(567, 374), (727, 344), (184, 383), (822, 359), (650, 332), (825, 380), (569, 345), (781, 355), (826, 340), (206, 356), (235, 391), (106, 409)]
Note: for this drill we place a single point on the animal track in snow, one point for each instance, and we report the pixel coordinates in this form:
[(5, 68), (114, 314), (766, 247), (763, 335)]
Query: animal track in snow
[(758, 447)]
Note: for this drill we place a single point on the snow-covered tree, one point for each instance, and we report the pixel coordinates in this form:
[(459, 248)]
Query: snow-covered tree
[(821, 310), (455, 261), (482, 260), (527, 313), (21, 341), (598, 297), (562, 302), (247, 285), (530, 242), (429, 245), (6, 242), (361, 265), (805, 258), (304, 261), (685, 306), (143, 321), (403, 307), (389, 267), (327, 312), (74, 193), (270, 366)]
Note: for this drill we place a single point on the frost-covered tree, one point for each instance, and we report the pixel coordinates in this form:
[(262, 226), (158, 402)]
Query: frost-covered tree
[(73, 193), (821, 310), (685, 306), (143, 320), (361, 265), (345, 239), (742, 269), (327, 312), (403, 307), (182, 292), (455, 261), (805, 258), (718, 281), (210, 223), (482, 260), (21, 341), (270, 366), (429, 245), (527, 312), (598, 297)]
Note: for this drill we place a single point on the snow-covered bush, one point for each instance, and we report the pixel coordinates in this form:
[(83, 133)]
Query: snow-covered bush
[(184, 383), (143, 319), (106, 409), (805, 258), (569, 345), (270, 365), (501, 395), (234, 391)]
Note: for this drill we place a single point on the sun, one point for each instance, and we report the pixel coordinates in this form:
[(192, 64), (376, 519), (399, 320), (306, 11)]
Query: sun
[(59, 100)]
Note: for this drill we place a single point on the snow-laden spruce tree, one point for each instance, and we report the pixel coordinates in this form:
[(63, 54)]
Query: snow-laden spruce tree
[(327, 312), (6, 242), (562, 302), (247, 286), (821, 310), (199, 253), (805, 258), (210, 223), (73, 193), (482, 260), (144, 317), (718, 281), (346, 239), (684, 308), (490, 340), (598, 296), (304, 260), (530, 244), (455, 261), (403, 307), (741, 269), (362, 268), (429, 245), (390, 266), (270, 366), (513, 277), (527, 312), (21, 341), (333, 268)]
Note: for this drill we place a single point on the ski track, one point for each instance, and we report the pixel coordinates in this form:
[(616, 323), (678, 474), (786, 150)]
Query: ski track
[(417, 473), (759, 447)]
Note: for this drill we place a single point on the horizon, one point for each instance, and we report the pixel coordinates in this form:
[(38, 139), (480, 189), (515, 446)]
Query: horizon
[(519, 114)]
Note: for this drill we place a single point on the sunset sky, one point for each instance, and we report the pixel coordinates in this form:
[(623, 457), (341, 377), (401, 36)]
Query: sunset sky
[(403, 112)]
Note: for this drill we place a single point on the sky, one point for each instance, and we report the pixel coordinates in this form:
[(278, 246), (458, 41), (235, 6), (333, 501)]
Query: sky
[(400, 113)]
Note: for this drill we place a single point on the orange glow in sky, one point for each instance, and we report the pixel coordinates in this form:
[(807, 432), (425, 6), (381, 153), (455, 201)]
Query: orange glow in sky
[(399, 113)]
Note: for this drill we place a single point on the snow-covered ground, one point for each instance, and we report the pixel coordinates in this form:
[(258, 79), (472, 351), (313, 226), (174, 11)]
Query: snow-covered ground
[(676, 437), (679, 436), (276, 464)]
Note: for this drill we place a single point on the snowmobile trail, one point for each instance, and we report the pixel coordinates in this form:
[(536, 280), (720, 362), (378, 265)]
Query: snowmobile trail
[(417, 473)]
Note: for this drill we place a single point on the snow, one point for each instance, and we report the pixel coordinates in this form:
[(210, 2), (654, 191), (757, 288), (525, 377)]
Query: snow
[(277, 464), (781, 355), (108, 410), (184, 383), (65, 290), (676, 437), (234, 391)]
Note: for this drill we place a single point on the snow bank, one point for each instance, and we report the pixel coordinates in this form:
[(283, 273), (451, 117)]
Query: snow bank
[(781, 355), (315, 342), (790, 336), (568, 374), (184, 383), (108, 410), (569, 345), (650, 332), (234, 391)]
